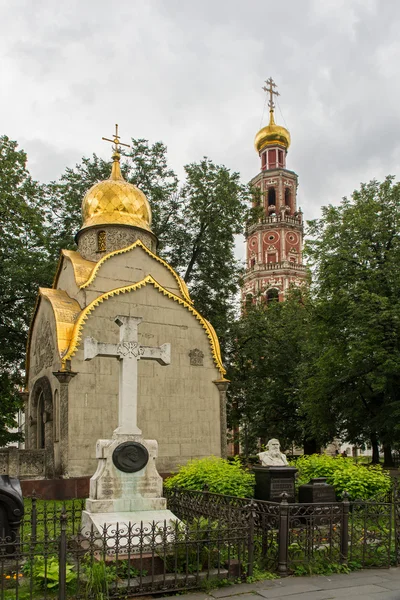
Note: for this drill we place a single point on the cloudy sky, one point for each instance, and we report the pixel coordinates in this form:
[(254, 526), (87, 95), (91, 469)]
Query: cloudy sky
[(190, 74)]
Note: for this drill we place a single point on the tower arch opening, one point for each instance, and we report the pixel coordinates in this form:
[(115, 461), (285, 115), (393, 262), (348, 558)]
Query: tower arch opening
[(272, 295)]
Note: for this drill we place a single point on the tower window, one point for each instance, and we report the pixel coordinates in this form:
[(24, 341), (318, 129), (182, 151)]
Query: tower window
[(280, 158), (271, 196), (272, 295), (264, 160), (101, 241)]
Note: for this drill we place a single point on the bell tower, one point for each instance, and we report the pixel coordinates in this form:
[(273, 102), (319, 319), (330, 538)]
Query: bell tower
[(274, 242)]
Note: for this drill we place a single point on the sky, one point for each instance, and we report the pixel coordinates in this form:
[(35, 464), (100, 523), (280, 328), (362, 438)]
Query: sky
[(191, 75)]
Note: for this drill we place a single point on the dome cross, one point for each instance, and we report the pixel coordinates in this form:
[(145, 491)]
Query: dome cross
[(269, 88), (116, 142)]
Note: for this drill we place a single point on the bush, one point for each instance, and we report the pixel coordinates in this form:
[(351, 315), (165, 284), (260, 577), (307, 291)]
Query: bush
[(360, 482), (219, 475)]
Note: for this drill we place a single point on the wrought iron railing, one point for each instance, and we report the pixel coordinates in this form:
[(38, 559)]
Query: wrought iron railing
[(214, 537)]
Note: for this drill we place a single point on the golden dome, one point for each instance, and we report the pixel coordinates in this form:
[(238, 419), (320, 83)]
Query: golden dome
[(114, 201), (271, 135)]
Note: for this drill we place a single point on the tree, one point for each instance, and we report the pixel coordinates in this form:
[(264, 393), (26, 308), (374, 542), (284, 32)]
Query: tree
[(201, 241), (268, 347), (354, 381), (24, 264)]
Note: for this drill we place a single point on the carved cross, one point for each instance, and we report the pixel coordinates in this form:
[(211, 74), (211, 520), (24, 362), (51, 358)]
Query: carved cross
[(128, 352), (269, 88)]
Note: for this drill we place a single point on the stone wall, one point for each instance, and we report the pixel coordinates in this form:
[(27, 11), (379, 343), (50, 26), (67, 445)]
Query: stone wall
[(28, 464)]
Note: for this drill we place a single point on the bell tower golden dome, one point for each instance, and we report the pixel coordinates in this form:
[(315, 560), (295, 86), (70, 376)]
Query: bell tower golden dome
[(115, 213), (272, 134)]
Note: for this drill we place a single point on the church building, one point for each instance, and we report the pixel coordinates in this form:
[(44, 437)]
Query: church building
[(72, 402), (274, 243)]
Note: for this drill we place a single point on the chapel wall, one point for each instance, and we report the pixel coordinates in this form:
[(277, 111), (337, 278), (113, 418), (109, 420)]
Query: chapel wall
[(178, 404)]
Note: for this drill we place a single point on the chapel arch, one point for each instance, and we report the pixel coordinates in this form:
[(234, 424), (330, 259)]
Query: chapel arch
[(41, 434)]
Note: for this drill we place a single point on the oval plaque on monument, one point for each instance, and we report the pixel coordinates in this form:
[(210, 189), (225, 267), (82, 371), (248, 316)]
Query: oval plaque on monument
[(130, 457)]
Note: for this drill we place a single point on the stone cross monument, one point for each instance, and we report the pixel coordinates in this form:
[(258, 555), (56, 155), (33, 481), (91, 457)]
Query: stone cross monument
[(126, 487), (128, 352)]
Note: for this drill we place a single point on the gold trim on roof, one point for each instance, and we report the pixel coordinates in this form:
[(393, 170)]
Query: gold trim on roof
[(66, 311), (139, 244), (77, 332), (82, 267)]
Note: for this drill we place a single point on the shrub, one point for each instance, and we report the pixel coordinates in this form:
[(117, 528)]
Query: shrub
[(219, 475), (360, 482), (45, 571)]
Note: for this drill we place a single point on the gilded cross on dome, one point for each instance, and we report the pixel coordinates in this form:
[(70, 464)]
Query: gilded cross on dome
[(116, 141), (269, 88)]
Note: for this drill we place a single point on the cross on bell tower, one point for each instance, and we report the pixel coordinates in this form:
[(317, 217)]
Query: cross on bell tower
[(275, 241)]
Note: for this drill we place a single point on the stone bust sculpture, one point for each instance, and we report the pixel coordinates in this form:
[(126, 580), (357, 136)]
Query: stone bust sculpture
[(273, 457)]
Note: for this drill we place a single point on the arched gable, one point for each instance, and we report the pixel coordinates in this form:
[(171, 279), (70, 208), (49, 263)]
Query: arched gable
[(82, 268), (138, 244), (149, 280)]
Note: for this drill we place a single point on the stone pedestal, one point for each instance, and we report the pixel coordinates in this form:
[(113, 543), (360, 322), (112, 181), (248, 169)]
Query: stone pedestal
[(271, 482), (126, 488), (317, 491)]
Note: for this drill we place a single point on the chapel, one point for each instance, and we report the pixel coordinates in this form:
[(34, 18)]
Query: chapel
[(71, 403)]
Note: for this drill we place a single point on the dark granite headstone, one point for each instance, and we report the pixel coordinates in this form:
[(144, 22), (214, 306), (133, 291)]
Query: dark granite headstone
[(11, 512), (271, 482), (317, 491)]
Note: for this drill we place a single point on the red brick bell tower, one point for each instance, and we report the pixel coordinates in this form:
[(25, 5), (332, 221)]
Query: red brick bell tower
[(274, 243)]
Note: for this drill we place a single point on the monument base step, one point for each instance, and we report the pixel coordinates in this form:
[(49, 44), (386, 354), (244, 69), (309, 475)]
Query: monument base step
[(136, 530)]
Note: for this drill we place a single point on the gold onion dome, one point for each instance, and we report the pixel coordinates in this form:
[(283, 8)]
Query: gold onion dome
[(114, 201), (272, 135)]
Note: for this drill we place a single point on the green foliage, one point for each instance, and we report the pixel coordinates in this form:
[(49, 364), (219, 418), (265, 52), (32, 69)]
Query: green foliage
[(219, 475), (353, 374), (45, 571), (360, 482), (98, 577), (266, 352), (24, 264)]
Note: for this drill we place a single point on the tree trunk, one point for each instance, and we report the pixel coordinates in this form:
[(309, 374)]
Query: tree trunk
[(388, 458), (375, 448), (310, 446)]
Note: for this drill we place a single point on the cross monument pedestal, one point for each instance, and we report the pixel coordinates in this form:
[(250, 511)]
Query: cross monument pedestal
[(126, 488)]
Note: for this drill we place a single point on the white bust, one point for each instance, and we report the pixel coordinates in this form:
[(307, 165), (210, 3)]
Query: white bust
[(272, 457)]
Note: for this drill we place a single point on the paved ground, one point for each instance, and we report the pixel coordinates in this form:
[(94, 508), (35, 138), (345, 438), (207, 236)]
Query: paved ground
[(371, 584)]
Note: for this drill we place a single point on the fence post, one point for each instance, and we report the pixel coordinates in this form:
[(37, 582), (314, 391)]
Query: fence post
[(251, 515), (344, 534), (395, 498), (34, 517), (62, 557), (283, 532)]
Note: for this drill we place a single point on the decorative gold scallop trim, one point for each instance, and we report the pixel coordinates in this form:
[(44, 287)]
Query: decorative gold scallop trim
[(139, 244), (66, 311), (77, 332), (82, 267)]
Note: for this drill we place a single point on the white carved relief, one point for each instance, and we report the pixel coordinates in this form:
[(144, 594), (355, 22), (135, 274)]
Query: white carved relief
[(43, 352)]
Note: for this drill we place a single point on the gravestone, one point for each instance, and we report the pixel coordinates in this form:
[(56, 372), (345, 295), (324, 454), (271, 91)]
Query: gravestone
[(11, 512), (274, 476), (316, 491), (126, 488), (271, 482)]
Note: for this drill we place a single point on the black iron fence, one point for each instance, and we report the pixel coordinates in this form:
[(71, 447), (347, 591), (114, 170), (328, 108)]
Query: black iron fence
[(214, 538)]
